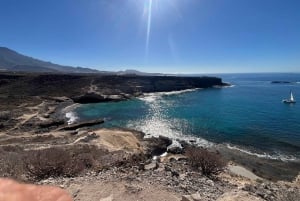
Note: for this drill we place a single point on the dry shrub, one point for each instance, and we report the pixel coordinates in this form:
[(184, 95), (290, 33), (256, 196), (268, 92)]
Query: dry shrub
[(90, 156), (103, 159), (136, 159), (67, 161), (11, 148), (209, 163), (130, 160), (52, 162), (11, 164), (41, 164)]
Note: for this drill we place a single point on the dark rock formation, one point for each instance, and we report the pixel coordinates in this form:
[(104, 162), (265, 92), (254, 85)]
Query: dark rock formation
[(157, 146), (117, 88), (83, 124), (97, 98), (92, 88), (51, 123), (175, 150)]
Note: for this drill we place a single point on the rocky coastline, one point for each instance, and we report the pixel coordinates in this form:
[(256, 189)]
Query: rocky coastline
[(33, 126), (92, 88)]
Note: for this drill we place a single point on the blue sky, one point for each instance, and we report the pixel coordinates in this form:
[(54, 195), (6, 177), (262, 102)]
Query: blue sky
[(186, 36)]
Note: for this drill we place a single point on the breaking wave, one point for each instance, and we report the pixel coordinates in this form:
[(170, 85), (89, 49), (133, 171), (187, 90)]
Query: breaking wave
[(278, 156), (72, 117), (150, 97)]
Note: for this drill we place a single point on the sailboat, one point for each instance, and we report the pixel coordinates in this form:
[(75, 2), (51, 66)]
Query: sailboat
[(291, 100)]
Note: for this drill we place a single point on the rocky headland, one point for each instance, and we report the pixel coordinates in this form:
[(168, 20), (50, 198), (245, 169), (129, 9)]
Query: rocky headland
[(92, 88), (37, 145)]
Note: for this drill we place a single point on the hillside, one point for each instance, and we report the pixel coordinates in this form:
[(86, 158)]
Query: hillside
[(11, 60)]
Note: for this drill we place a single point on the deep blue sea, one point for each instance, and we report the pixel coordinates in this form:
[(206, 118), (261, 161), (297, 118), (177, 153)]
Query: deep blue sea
[(249, 116)]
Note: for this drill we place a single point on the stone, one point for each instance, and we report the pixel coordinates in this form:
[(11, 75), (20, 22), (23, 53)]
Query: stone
[(192, 197), (75, 194), (183, 186), (160, 168), (175, 173), (168, 168), (109, 198), (210, 182), (46, 181), (133, 188), (153, 165), (81, 132), (184, 144), (182, 176), (46, 116), (175, 150)]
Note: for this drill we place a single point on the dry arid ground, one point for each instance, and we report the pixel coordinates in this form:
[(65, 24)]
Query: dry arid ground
[(37, 146)]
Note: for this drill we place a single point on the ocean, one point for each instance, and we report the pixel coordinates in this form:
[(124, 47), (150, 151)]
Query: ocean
[(249, 116)]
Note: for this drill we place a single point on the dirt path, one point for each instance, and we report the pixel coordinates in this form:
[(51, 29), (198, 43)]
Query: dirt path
[(93, 88), (120, 191)]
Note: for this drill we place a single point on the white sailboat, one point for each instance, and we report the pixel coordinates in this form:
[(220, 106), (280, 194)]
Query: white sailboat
[(291, 100)]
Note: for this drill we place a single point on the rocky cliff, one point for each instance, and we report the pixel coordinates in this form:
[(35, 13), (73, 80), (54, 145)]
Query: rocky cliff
[(95, 88)]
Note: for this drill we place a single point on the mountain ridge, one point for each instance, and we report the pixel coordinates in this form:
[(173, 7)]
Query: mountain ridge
[(11, 60)]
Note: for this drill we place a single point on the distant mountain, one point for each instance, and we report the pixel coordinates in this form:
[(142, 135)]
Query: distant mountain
[(135, 72), (11, 60)]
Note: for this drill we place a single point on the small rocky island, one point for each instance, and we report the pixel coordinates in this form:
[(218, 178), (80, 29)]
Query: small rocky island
[(282, 82), (38, 146)]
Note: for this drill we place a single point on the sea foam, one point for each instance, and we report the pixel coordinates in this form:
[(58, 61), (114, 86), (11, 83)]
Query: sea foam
[(278, 156), (150, 97), (72, 117)]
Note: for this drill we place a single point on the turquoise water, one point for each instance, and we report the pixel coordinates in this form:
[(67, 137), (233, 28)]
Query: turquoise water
[(248, 116)]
